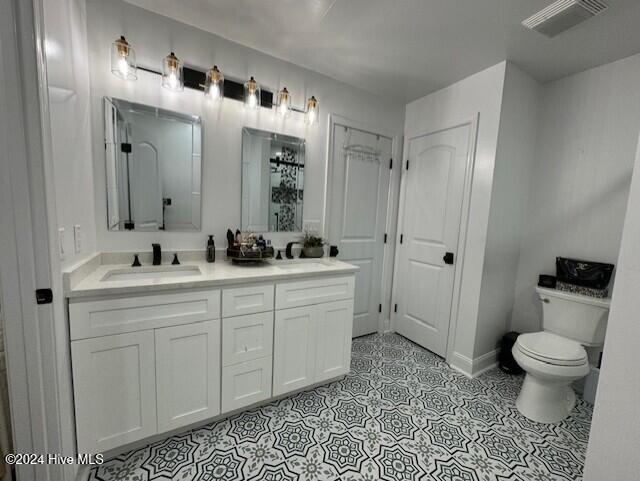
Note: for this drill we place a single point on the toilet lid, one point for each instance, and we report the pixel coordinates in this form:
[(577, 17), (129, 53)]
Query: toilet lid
[(552, 348)]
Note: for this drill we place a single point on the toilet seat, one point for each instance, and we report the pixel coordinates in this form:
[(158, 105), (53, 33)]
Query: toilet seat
[(551, 349)]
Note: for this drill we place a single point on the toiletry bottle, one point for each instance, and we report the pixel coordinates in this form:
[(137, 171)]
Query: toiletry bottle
[(211, 250)]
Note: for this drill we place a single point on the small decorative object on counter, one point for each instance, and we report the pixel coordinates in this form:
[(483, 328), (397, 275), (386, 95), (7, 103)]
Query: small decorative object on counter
[(247, 248), (333, 251), (211, 250), (312, 245)]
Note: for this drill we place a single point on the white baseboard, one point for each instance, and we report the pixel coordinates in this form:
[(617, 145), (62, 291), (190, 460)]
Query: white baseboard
[(473, 368)]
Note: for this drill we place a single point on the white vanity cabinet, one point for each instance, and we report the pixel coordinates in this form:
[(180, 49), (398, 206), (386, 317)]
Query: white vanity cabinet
[(149, 364), (143, 365)]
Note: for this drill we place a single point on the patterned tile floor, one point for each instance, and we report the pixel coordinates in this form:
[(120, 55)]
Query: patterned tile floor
[(401, 414)]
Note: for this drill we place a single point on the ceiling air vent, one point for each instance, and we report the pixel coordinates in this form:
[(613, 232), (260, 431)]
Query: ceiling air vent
[(562, 15)]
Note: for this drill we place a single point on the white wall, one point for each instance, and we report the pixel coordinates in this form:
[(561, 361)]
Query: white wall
[(588, 127), (614, 442), (481, 93), (514, 161), (68, 79), (154, 36)]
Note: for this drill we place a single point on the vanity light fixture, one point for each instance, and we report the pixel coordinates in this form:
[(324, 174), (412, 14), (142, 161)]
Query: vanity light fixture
[(313, 111), (214, 84), (123, 60), (283, 103), (172, 77), (252, 94)]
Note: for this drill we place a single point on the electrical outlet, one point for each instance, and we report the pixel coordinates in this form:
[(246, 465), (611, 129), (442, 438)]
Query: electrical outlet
[(61, 242), (77, 238)]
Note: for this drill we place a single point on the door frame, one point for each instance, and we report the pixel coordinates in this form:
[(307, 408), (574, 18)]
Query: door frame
[(384, 318), (35, 335), (473, 123)]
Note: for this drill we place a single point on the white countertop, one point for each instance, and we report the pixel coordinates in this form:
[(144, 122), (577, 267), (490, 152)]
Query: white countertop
[(219, 273)]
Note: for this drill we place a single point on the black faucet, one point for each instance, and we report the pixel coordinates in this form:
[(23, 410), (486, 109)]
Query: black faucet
[(288, 252), (157, 254)]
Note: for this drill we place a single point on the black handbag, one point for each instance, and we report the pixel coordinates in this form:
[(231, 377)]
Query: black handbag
[(594, 275)]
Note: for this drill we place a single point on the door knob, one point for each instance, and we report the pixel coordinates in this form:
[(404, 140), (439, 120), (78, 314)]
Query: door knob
[(448, 258)]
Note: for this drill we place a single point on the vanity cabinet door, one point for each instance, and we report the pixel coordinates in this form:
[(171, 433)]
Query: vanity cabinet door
[(246, 383), (333, 339), (114, 384), (294, 349), (187, 373)]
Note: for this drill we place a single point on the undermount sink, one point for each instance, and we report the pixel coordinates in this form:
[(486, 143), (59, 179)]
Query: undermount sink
[(139, 273), (301, 265)]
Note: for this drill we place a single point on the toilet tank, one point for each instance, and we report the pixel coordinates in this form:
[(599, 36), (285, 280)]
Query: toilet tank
[(578, 317)]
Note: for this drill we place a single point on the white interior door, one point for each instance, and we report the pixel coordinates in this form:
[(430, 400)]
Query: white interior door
[(429, 229), (360, 189)]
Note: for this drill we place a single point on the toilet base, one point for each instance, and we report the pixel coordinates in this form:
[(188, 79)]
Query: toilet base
[(545, 401)]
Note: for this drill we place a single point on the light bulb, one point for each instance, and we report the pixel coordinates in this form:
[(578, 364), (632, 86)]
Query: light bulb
[(311, 116), (283, 104), (252, 94), (253, 101), (214, 84), (214, 91), (123, 67), (173, 80), (123, 60)]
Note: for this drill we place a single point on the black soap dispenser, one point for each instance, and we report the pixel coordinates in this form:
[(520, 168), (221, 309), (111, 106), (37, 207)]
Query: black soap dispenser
[(211, 250)]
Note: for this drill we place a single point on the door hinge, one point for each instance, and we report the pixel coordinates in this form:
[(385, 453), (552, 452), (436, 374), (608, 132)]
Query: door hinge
[(385, 237), (379, 307), (125, 147), (407, 164), (401, 237), (44, 296), (390, 164), (395, 308)]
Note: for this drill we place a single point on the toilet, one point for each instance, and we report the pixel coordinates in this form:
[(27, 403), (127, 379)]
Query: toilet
[(556, 357)]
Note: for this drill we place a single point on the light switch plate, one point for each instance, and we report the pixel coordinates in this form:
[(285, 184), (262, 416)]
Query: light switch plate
[(77, 238)]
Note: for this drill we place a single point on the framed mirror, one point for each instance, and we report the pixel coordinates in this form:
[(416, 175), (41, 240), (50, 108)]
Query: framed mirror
[(272, 181), (154, 165)]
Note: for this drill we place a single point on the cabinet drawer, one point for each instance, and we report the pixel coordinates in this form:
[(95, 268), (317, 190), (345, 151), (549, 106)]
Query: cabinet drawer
[(246, 337), (115, 316), (246, 383), (247, 300), (314, 291)]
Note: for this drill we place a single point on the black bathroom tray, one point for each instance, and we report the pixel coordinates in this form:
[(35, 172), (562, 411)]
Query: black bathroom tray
[(241, 256)]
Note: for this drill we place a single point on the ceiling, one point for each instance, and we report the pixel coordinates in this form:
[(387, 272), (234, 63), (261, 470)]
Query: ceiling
[(409, 48)]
